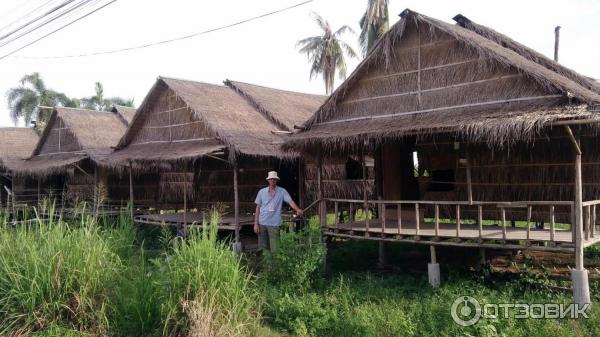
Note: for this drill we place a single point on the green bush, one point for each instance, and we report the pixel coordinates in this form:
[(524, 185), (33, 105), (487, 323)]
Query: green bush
[(297, 260)]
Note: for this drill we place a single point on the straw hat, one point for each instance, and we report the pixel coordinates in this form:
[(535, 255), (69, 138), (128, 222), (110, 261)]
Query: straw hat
[(272, 175)]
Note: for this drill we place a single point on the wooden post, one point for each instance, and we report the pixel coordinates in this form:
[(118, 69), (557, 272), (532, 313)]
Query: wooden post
[(469, 184), (301, 183), (399, 215), (587, 222), (503, 217), (185, 227), (552, 229), (38, 190), (336, 214), (365, 195), (593, 224), (578, 215), (322, 215), (417, 219), (95, 198), (236, 202), (131, 207), (458, 221), (556, 41), (480, 221), (437, 220), (528, 223), (382, 216)]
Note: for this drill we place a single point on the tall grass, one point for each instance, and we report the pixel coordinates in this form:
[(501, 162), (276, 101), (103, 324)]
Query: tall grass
[(53, 273)]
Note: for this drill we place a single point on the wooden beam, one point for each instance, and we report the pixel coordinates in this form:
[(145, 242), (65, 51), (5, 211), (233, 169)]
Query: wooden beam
[(578, 213), (131, 207), (322, 215), (236, 202)]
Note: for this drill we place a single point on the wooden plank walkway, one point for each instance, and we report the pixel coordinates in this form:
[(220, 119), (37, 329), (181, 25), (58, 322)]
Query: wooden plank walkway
[(514, 238), (192, 219)]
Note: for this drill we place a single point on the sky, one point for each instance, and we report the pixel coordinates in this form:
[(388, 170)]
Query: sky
[(262, 51)]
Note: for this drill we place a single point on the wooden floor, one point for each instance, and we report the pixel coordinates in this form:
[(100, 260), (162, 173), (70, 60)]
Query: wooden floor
[(447, 234), (192, 219)]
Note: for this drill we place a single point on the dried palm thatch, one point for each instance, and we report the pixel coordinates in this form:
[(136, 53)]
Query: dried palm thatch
[(183, 120), (284, 108), (427, 76), (70, 136), (124, 112), (15, 145)]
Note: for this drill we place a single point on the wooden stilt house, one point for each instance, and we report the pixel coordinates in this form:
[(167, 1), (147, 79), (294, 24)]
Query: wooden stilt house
[(66, 156), (15, 145), (479, 140), (211, 144)]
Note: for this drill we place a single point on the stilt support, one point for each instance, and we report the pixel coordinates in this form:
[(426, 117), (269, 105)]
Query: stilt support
[(433, 269)]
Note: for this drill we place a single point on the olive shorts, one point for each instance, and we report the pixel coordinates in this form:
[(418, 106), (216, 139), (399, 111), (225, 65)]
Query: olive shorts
[(268, 237)]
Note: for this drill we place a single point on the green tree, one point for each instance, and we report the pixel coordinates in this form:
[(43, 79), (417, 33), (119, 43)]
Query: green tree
[(326, 52), (373, 24), (98, 102), (24, 100)]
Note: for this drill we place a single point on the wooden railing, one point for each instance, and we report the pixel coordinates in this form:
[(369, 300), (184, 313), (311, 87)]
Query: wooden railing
[(463, 216)]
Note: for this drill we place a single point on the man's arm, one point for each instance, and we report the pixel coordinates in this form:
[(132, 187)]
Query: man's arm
[(256, 216), (295, 207)]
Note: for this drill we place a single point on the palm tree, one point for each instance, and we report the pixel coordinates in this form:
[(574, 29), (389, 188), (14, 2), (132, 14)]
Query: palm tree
[(373, 24), (326, 52), (24, 100), (98, 102)]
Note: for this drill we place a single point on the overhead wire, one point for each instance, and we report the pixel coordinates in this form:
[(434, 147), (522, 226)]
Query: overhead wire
[(28, 14), (58, 29), (49, 12), (189, 36)]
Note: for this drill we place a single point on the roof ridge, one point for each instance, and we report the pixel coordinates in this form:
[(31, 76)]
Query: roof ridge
[(270, 116), (271, 88), (507, 42)]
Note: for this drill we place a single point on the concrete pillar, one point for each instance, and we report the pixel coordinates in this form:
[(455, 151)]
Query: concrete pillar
[(581, 287), (433, 269), (237, 248)]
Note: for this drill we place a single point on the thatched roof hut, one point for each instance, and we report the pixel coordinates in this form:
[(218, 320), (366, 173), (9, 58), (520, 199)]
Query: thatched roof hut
[(427, 76), (15, 145), (71, 136), (499, 132), (206, 118)]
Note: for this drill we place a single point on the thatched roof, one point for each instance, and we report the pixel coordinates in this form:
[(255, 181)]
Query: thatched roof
[(16, 144), (70, 136), (125, 112), (285, 108), (239, 118), (475, 82)]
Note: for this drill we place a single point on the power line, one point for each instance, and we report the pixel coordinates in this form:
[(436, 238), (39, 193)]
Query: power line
[(152, 44), (56, 30), (66, 13), (26, 15), (52, 10)]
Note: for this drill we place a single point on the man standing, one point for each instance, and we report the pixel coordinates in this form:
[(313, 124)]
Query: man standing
[(268, 212)]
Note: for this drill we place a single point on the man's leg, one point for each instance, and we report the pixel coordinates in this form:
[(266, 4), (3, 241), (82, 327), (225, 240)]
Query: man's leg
[(263, 238), (273, 238)]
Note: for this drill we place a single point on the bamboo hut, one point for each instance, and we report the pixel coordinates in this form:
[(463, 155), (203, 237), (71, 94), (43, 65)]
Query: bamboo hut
[(211, 144), (15, 145), (505, 142), (65, 159)]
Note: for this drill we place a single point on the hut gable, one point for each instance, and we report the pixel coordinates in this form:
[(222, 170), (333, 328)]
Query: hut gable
[(182, 119), (425, 75), (125, 112), (78, 130), (284, 108)]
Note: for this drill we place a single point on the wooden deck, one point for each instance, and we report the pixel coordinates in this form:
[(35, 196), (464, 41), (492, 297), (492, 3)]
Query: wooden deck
[(468, 235), (191, 218)]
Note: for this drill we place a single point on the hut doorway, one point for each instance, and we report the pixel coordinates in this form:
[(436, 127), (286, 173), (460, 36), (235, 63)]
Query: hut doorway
[(288, 172), (398, 172)]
